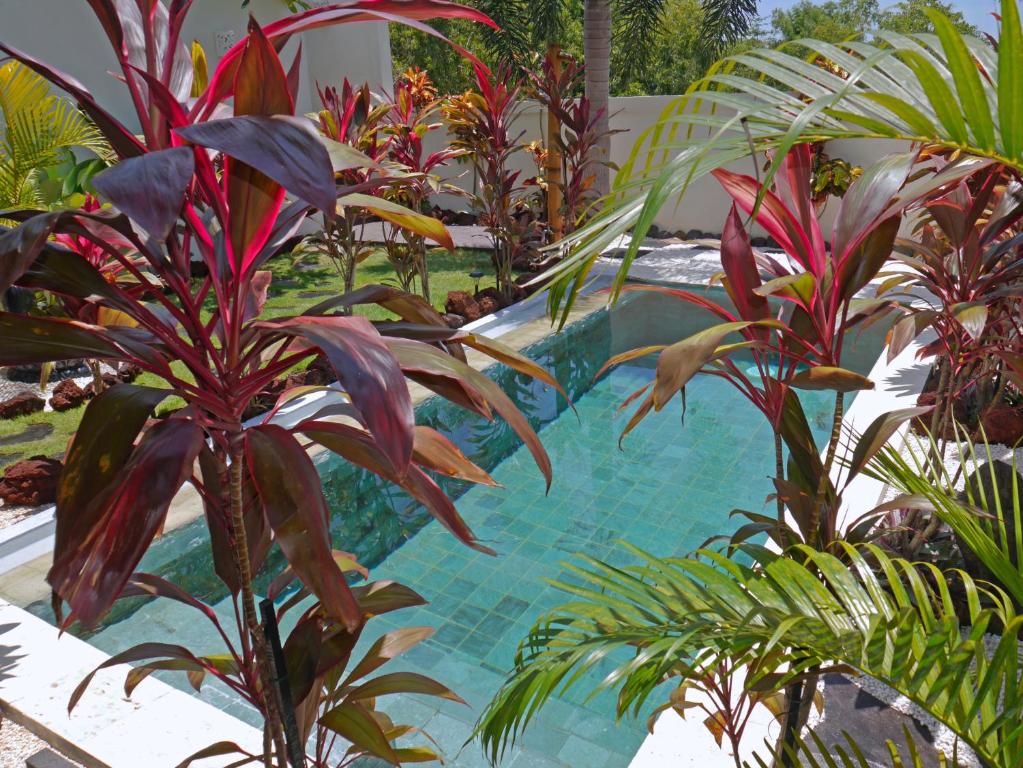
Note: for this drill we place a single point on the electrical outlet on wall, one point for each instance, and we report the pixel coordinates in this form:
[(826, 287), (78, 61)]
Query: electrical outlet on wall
[(226, 40)]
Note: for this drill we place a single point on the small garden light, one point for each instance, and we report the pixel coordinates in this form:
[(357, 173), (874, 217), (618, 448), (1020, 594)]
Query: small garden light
[(476, 275)]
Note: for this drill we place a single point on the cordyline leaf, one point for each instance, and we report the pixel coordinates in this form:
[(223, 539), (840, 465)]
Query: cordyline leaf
[(867, 260), (219, 749), (973, 318), (404, 682), (682, 360), (45, 340), (150, 585), (402, 217), (772, 215), (20, 246), (902, 334), (289, 490), (433, 450), (369, 373), (382, 597), (798, 286), (255, 297), (877, 435), (345, 157), (121, 139), (388, 646), (355, 723), (624, 357), (150, 189), (830, 378), (462, 384), (358, 447), (254, 198), (99, 451), (282, 147), (141, 652), (742, 276), (405, 305), (92, 571), (868, 199), (514, 360)]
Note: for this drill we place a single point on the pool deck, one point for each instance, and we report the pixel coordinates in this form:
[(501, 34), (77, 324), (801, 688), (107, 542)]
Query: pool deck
[(109, 731)]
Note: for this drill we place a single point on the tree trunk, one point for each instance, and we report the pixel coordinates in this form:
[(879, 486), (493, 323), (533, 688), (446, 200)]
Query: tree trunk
[(597, 53), (554, 177)]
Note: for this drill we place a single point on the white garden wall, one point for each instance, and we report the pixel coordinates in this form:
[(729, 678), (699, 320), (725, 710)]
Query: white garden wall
[(65, 33), (705, 204)]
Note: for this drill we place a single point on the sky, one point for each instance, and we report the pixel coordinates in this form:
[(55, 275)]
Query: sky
[(977, 12)]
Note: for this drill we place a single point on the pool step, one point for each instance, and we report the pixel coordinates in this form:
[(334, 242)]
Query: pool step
[(47, 758)]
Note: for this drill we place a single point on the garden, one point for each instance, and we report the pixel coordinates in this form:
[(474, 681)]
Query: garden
[(712, 501)]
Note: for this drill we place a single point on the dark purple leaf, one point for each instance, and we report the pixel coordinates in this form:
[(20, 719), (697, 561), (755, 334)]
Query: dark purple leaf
[(99, 451), (150, 189), (369, 373), (284, 148), (28, 340), (93, 568), (291, 495)]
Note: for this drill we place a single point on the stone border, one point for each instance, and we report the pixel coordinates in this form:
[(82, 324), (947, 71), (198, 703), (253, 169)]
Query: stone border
[(159, 726)]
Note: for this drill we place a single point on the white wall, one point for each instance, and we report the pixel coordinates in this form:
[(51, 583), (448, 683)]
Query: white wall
[(66, 34), (705, 204)]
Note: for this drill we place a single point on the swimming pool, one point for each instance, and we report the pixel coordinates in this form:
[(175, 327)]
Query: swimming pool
[(667, 491)]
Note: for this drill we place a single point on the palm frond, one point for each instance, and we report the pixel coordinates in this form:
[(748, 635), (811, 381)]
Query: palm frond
[(946, 90), (636, 22), (981, 523), (881, 616), (37, 131), (813, 752), (726, 22)]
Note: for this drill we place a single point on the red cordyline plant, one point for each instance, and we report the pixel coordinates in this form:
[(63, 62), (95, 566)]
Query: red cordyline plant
[(352, 119), (482, 124), (208, 180), (556, 86), (411, 116), (963, 278), (800, 346), (798, 343)]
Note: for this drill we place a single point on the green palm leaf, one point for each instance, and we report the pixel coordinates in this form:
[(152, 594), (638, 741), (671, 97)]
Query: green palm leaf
[(881, 616), (37, 131), (945, 89)]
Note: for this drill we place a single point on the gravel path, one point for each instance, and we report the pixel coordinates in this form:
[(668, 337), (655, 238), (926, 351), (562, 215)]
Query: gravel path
[(17, 745), (9, 389), (10, 515)]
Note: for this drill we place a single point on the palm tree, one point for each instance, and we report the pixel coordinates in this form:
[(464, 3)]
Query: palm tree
[(530, 25)]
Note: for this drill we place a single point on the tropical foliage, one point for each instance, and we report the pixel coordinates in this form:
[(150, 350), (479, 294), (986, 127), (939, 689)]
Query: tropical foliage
[(823, 602), (197, 181), (39, 130), (482, 126)]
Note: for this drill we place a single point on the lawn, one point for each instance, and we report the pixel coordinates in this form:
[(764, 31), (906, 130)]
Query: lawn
[(298, 284)]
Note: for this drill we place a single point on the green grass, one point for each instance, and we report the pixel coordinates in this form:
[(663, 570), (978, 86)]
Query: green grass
[(298, 284)]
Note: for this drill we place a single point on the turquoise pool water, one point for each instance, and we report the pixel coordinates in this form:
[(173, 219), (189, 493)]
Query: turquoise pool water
[(668, 490)]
